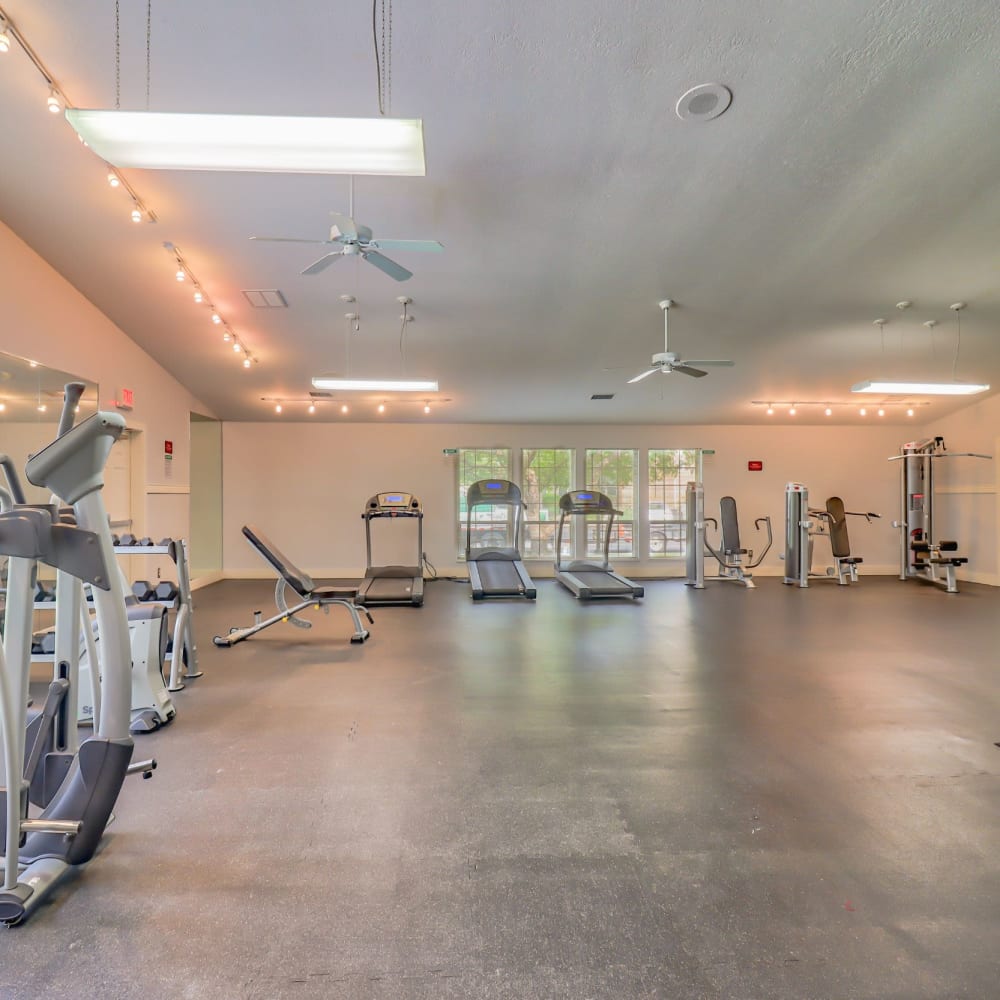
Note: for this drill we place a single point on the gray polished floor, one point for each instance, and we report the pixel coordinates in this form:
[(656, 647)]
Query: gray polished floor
[(727, 794)]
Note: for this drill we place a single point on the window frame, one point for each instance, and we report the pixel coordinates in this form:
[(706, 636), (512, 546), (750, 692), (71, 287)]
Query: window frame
[(527, 522), (461, 489), (634, 522), (680, 521)]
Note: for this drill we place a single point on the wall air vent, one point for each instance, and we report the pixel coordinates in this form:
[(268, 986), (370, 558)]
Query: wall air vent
[(265, 298), (603, 395)]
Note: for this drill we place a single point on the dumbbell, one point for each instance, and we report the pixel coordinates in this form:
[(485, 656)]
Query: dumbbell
[(115, 540), (166, 590), (43, 644), (128, 539), (145, 541), (164, 542), (144, 590), (42, 593)]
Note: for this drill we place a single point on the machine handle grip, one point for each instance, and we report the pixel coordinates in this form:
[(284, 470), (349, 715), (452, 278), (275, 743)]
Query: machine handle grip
[(72, 394), (13, 479)]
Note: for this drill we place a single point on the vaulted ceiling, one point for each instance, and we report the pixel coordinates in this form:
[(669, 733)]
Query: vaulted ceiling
[(859, 165)]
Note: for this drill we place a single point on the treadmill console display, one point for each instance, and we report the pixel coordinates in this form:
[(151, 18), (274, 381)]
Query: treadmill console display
[(585, 496), (393, 505)]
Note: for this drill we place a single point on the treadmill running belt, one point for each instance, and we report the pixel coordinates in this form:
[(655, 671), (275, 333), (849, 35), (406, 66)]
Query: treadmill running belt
[(601, 583), (499, 577)]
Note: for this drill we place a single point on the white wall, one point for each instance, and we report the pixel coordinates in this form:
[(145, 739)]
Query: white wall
[(47, 320), (304, 484), (206, 498), (967, 505)]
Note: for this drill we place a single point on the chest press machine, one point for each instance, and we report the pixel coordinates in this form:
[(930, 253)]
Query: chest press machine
[(734, 560)]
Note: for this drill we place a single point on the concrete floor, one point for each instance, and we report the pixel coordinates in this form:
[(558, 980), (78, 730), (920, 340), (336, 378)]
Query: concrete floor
[(727, 794)]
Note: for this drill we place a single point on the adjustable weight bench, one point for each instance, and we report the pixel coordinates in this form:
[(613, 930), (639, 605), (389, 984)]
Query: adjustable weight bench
[(928, 556), (290, 576)]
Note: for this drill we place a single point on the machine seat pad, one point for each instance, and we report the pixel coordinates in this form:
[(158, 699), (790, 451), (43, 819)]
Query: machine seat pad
[(298, 580), (342, 593), (921, 547), (948, 546), (950, 560)]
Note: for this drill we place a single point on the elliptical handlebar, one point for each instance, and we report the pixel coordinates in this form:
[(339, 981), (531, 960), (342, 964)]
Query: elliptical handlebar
[(72, 394), (13, 479)]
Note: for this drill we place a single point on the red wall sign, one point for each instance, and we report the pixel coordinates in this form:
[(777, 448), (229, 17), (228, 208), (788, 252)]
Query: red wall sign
[(755, 466), (168, 449)]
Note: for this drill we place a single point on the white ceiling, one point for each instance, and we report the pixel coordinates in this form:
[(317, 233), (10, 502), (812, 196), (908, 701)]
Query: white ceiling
[(858, 165)]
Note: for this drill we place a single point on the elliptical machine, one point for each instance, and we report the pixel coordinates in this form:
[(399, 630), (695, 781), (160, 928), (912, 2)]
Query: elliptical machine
[(39, 851), (734, 561)]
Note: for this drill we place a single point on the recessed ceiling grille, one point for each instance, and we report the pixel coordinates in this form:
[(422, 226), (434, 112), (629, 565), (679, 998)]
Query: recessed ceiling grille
[(320, 395), (603, 395), (265, 298)]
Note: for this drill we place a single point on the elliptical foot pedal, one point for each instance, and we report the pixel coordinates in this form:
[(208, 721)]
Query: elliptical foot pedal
[(145, 722)]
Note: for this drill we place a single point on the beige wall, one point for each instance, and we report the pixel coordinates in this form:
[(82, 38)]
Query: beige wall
[(966, 503), (206, 498), (46, 319), (304, 485)]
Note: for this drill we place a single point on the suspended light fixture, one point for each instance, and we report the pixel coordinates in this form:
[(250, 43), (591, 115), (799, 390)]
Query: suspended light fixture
[(150, 140), (198, 297), (828, 412), (136, 215), (331, 383), (4, 37), (246, 361), (887, 387), (277, 407), (54, 102), (312, 408), (345, 408)]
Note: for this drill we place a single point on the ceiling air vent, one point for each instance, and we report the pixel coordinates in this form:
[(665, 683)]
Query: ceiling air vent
[(320, 395), (265, 298), (603, 395)]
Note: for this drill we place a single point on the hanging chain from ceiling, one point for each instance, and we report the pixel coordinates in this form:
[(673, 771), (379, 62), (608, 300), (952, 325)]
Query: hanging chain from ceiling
[(383, 53), (118, 56), (118, 51)]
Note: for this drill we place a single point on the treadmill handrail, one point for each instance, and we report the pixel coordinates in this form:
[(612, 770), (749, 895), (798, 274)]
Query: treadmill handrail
[(514, 501)]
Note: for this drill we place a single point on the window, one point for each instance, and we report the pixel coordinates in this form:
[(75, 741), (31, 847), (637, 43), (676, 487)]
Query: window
[(546, 474), (670, 470), (612, 471), (490, 525)]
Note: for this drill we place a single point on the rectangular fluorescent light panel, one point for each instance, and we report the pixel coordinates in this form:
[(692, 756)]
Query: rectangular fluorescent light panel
[(920, 388), (152, 140), (375, 384)]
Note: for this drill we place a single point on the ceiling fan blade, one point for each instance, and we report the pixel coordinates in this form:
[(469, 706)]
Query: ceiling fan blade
[(323, 263), (284, 239), (426, 245), (390, 267), (710, 364), (645, 374), (687, 370), (346, 226)]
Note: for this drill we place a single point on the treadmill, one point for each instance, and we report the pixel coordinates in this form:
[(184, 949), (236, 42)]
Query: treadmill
[(392, 584), (588, 579), (496, 572)]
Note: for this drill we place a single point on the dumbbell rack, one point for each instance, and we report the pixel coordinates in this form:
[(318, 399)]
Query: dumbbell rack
[(183, 640), (183, 635)]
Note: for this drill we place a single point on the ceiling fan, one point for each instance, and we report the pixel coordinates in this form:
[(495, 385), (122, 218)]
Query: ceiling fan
[(355, 240), (669, 361)]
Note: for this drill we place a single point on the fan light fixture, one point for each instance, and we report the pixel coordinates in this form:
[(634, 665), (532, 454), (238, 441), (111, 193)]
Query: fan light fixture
[(920, 388), (374, 384), (152, 140)]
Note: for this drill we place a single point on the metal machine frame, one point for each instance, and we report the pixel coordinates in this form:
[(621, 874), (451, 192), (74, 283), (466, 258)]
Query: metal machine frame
[(730, 555), (295, 579), (496, 572), (804, 524), (921, 553), (585, 579)]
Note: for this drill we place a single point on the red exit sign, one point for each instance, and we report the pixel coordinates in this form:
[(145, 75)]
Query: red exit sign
[(755, 466), (125, 400)]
